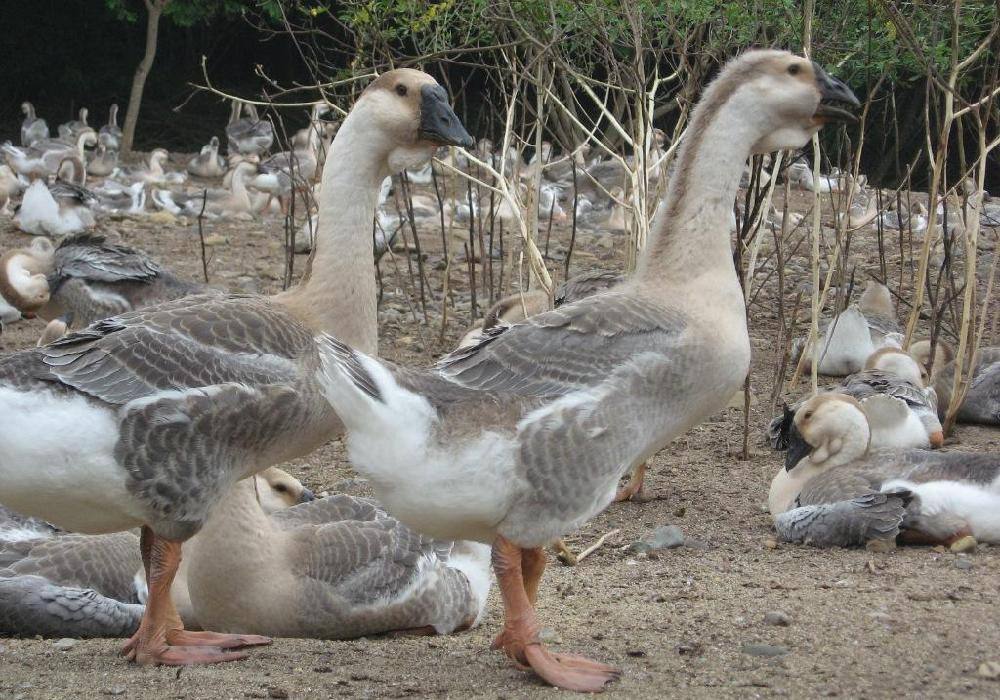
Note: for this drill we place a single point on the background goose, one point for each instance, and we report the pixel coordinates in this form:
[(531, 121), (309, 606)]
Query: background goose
[(110, 135), (835, 491), (43, 158), (43, 214), (153, 172), (235, 201), (240, 369), (982, 400), (521, 438), (10, 186), (248, 135), (102, 162), (208, 163), (72, 130), (33, 128), (58, 584)]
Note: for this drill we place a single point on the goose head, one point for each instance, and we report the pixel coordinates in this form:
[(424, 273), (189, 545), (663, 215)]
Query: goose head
[(277, 490), (898, 362), (789, 97), (23, 273), (28, 109), (412, 111), (828, 430), (876, 299), (157, 157), (213, 144)]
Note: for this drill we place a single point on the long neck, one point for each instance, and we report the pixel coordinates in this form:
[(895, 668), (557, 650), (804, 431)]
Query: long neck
[(235, 534), (113, 116), (690, 234), (337, 293)]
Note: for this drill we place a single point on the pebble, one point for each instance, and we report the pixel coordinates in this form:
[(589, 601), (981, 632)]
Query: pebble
[(771, 543), (989, 669), (765, 650), (964, 564), (777, 618), (65, 644), (115, 691)]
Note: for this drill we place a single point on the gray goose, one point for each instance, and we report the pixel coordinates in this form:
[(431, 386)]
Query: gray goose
[(523, 437), (57, 584), (982, 400), (167, 407), (33, 128), (836, 491)]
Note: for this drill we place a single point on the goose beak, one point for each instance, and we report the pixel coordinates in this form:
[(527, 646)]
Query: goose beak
[(835, 98), (438, 122), (798, 448), (306, 496)]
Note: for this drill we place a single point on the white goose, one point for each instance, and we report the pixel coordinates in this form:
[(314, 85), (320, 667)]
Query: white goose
[(208, 163), (836, 491), (72, 130), (521, 438), (42, 159), (33, 128), (110, 135), (224, 386)]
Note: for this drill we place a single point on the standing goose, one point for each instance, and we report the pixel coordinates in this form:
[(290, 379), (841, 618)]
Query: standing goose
[(110, 135), (524, 437), (72, 130), (834, 490), (33, 128), (169, 406)]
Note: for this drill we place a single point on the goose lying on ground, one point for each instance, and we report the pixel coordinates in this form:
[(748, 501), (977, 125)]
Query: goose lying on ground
[(982, 399), (208, 163), (71, 130), (10, 187), (102, 162), (248, 135), (41, 214), (223, 386), (58, 584), (84, 279), (43, 158), (153, 172), (836, 491), (524, 437), (33, 128)]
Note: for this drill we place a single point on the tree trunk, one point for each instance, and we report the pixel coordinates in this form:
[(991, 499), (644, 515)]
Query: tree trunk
[(154, 10)]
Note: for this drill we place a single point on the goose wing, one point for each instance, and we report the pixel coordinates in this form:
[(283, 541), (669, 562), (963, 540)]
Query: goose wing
[(575, 346), (32, 605), (91, 257), (870, 382), (852, 522)]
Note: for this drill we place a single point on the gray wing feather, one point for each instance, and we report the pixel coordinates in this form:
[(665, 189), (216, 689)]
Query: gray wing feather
[(90, 257), (844, 523), (31, 605)]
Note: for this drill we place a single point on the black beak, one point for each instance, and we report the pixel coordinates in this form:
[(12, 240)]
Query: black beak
[(798, 448), (438, 121), (835, 97), (306, 496)]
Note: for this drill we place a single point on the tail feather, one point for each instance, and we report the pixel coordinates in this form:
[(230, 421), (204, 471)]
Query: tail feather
[(348, 361)]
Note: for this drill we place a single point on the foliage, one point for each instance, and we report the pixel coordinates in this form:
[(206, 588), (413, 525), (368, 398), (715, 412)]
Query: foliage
[(185, 13)]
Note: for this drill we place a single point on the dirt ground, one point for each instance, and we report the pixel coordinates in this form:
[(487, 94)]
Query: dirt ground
[(688, 622)]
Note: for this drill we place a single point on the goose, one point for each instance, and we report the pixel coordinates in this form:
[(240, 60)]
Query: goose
[(41, 214), (10, 187), (153, 172), (855, 333), (47, 576), (84, 279), (114, 198), (224, 385), (914, 221), (102, 162), (8, 314), (248, 135), (982, 399), (208, 163), (232, 202), (523, 437), (275, 174), (316, 123), (835, 490), (33, 128), (110, 135), (42, 159), (71, 130)]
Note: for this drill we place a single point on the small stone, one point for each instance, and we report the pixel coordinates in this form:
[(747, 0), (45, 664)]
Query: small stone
[(666, 537), (65, 644), (636, 653), (277, 693), (322, 669), (777, 618), (764, 650), (771, 543), (115, 691), (989, 669), (965, 544), (964, 564), (680, 512)]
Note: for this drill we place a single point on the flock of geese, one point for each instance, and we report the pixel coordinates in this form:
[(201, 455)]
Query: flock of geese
[(169, 408)]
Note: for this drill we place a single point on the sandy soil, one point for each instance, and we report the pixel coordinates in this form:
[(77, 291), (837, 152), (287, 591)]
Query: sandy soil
[(915, 622)]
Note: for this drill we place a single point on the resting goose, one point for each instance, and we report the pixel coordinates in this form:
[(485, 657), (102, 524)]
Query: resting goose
[(836, 491), (84, 279), (72, 130), (10, 187), (232, 202), (248, 135), (102, 162), (982, 399), (522, 438), (58, 584), (275, 174), (169, 406), (110, 135), (153, 172), (42, 159), (43, 214), (33, 128), (208, 163)]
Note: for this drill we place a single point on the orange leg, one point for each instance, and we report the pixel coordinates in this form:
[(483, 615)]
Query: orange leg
[(633, 489), (161, 637), (937, 439), (518, 571)]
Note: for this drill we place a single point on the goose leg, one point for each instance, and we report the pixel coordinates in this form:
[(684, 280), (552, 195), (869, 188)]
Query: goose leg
[(633, 489), (161, 637), (518, 572)]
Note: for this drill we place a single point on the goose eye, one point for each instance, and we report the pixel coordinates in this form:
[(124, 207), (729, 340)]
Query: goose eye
[(401, 90), (808, 415), (794, 69), (280, 488)]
